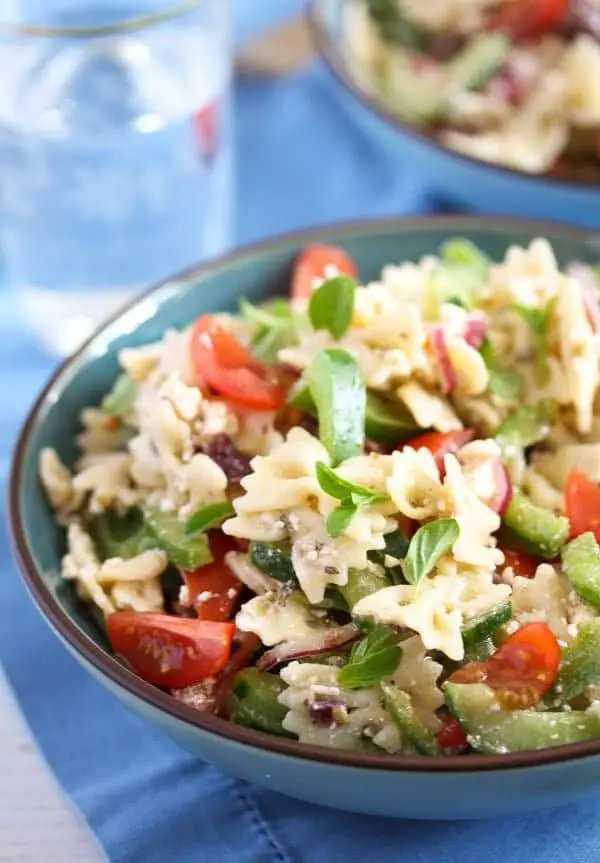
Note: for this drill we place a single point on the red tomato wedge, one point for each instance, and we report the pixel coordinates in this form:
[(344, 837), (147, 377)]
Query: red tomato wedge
[(451, 736), (442, 443), (582, 504), (529, 19), (213, 589), (312, 263), (521, 562), (521, 671), (225, 365), (168, 651)]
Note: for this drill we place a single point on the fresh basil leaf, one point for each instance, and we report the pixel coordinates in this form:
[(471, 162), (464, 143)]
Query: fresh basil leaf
[(339, 393), (339, 519), (376, 656), (336, 486), (209, 516), (120, 400), (538, 321), (427, 546), (332, 305), (505, 383)]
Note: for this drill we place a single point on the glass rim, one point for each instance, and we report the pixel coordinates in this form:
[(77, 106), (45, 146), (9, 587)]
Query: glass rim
[(139, 22)]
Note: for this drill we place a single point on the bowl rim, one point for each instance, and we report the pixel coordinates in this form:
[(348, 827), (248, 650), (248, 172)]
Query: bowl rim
[(109, 667), (336, 64)]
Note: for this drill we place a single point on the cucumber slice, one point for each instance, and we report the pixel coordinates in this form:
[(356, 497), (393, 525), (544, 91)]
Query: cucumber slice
[(394, 26), (185, 551), (486, 625), (581, 564), (122, 536), (580, 666), (120, 400), (491, 729), (274, 560), (385, 422), (253, 701), (363, 582), (527, 426), (540, 531), (399, 706), (479, 61), (479, 652)]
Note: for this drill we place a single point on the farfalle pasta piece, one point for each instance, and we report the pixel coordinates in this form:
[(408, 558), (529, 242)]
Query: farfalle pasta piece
[(429, 409), (415, 485), (578, 351), (106, 479), (58, 483), (275, 620), (436, 608)]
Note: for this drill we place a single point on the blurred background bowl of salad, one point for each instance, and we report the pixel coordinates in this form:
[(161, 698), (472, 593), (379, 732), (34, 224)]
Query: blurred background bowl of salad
[(408, 786), (495, 103)]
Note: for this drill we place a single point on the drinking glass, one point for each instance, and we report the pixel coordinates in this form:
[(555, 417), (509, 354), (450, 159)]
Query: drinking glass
[(115, 152)]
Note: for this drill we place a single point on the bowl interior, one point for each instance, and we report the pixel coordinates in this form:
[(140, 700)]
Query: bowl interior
[(255, 273)]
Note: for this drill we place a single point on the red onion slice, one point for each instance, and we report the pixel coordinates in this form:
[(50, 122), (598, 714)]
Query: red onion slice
[(504, 490), (447, 373), (248, 574), (588, 286), (475, 332), (322, 641)]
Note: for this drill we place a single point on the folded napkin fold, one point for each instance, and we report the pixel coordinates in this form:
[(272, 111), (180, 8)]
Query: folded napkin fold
[(147, 800)]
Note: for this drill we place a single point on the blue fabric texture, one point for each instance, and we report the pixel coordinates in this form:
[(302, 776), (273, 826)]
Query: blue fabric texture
[(302, 161)]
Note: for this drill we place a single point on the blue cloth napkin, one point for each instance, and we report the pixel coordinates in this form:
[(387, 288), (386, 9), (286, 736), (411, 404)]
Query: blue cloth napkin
[(146, 799)]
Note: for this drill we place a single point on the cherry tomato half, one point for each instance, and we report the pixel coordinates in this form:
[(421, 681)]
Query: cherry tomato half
[(523, 20), (521, 562), (215, 580), (582, 504), (521, 671), (442, 443), (312, 263), (169, 651), (225, 365)]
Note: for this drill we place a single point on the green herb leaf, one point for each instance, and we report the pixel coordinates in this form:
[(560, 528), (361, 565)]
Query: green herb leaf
[(505, 383), (120, 400), (466, 254), (339, 393), (332, 305), (277, 328), (538, 321), (427, 546), (339, 519), (340, 488), (375, 656), (209, 516), (275, 314)]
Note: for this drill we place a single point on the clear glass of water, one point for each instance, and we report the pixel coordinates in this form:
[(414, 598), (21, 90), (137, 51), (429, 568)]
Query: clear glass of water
[(115, 152)]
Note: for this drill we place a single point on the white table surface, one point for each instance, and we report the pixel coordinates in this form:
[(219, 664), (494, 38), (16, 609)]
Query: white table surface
[(37, 822)]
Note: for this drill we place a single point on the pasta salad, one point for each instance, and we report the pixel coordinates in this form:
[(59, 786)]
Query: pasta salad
[(365, 516), (513, 82)]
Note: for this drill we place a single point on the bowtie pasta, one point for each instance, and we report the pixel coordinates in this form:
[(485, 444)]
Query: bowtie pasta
[(365, 517), (513, 83)]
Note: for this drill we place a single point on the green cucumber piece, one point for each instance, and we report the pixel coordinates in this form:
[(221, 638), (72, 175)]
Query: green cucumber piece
[(398, 704), (539, 531), (120, 400), (486, 625), (187, 552), (479, 61), (385, 422), (253, 701), (581, 564), (122, 536), (394, 26), (527, 426), (363, 582), (479, 652), (580, 665), (339, 393), (491, 729), (274, 560)]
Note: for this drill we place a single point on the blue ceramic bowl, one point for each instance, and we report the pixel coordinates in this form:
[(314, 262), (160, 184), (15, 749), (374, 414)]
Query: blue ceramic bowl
[(416, 787), (458, 179)]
